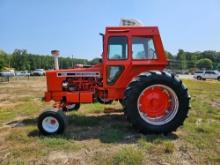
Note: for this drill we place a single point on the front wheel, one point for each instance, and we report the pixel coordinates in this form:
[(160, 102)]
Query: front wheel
[(156, 102), (52, 122), (199, 78)]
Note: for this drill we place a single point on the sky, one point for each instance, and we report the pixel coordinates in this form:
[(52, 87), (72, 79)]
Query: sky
[(73, 26)]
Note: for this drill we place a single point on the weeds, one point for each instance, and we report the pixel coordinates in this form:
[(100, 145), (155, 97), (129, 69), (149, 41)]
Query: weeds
[(128, 156)]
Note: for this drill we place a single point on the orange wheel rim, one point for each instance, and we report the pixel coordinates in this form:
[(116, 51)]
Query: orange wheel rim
[(158, 104)]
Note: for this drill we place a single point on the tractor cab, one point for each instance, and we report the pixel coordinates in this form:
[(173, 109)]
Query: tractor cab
[(128, 51)]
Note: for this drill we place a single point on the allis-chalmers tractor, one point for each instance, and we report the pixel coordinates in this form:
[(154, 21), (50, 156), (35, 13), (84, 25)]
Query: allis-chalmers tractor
[(131, 71)]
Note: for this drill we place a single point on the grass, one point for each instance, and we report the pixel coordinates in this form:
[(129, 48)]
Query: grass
[(128, 156), (111, 135), (95, 137)]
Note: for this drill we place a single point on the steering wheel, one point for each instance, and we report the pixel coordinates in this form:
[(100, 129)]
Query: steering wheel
[(151, 53)]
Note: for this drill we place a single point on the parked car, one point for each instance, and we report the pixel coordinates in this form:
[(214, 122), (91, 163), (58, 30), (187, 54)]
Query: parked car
[(171, 72), (22, 73), (7, 74), (208, 74), (38, 72)]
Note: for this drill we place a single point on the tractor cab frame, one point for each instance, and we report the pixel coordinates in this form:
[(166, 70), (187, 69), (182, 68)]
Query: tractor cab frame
[(129, 51)]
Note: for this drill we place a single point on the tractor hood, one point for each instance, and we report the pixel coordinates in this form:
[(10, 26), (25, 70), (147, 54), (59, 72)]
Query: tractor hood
[(55, 78)]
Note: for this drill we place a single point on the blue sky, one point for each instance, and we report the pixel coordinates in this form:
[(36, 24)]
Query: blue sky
[(73, 26)]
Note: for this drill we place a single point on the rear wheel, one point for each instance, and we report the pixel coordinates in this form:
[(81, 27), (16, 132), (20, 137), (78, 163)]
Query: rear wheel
[(104, 100), (218, 78), (156, 102), (52, 122), (71, 107)]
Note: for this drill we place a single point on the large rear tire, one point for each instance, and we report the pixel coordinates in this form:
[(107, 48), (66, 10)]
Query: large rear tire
[(156, 102)]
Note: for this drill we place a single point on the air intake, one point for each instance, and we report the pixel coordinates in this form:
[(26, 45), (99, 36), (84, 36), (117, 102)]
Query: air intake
[(130, 22)]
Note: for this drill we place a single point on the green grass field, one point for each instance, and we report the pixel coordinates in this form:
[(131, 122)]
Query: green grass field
[(95, 137)]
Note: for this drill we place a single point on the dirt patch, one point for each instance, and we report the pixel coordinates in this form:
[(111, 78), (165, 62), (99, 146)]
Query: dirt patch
[(215, 104), (62, 157)]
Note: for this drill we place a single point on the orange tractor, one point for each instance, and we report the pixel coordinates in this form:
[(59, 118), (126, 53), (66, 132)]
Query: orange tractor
[(130, 71)]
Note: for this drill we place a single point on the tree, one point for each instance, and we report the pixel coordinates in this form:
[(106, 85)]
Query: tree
[(204, 63), (181, 57), (94, 61), (1, 64), (218, 67), (3, 59), (20, 59), (169, 55)]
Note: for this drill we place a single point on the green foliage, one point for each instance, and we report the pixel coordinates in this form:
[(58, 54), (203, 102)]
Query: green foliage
[(1, 63), (3, 59), (20, 59), (218, 67), (204, 63), (94, 61), (181, 56), (188, 60), (169, 55)]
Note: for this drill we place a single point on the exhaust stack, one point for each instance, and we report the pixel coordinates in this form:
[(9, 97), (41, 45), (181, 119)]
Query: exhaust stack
[(55, 54)]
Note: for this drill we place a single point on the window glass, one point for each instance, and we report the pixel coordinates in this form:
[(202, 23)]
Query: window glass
[(117, 48), (143, 48), (114, 73), (209, 72)]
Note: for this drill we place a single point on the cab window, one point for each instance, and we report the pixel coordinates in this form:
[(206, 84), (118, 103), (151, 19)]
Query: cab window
[(143, 48), (117, 48), (113, 73)]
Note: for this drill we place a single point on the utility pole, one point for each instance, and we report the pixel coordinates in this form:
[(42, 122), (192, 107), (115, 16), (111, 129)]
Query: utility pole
[(72, 60)]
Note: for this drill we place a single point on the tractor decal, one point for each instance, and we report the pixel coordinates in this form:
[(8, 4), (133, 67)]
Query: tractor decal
[(78, 74)]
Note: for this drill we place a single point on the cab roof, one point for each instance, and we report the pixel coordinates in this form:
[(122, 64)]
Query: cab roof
[(145, 30)]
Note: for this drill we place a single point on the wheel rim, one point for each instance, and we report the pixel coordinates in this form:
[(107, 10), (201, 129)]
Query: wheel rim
[(50, 124), (71, 106), (104, 100), (158, 104)]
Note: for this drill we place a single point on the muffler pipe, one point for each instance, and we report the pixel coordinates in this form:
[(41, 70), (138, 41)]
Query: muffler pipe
[(55, 54)]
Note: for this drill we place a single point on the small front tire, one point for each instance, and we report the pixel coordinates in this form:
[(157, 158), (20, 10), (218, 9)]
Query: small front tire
[(52, 122)]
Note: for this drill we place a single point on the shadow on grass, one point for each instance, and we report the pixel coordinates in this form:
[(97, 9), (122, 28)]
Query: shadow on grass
[(108, 128)]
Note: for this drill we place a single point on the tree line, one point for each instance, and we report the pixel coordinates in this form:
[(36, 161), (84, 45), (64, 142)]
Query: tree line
[(20, 59), (184, 60)]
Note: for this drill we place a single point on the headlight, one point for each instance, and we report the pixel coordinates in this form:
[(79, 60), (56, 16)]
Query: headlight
[(65, 85)]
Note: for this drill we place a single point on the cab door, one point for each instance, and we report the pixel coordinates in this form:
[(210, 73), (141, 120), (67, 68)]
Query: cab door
[(116, 59)]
